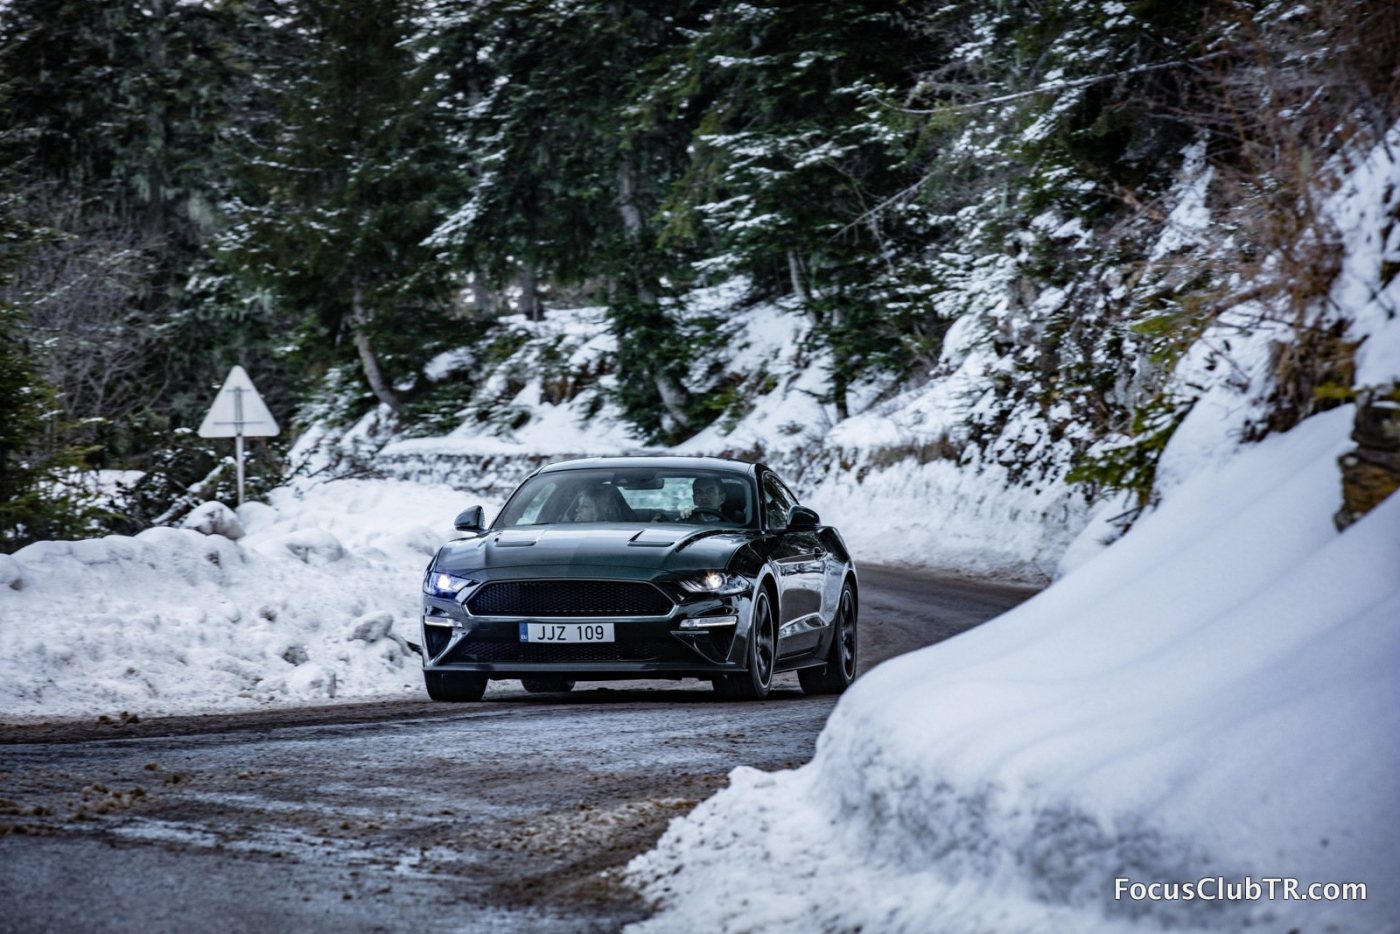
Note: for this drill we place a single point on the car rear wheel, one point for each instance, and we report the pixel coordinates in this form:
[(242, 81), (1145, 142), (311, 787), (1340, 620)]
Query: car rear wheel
[(755, 683), (840, 668), (454, 686), (547, 685)]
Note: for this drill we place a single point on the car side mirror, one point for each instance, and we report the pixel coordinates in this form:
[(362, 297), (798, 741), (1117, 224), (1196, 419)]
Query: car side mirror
[(800, 518), (471, 519)]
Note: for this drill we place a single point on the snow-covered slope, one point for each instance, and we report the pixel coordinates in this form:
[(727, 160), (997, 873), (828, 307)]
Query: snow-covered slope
[(898, 466), (1213, 695)]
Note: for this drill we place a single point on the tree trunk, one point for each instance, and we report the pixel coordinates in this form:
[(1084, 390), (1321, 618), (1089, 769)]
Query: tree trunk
[(838, 368), (530, 305), (483, 299), (156, 130), (359, 324), (799, 288), (672, 392)]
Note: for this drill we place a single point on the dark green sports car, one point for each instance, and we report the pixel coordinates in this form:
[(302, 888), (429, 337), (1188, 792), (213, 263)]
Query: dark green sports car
[(642, 567)]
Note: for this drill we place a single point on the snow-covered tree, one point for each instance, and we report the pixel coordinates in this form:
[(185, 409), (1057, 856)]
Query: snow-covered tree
[(337, 187)]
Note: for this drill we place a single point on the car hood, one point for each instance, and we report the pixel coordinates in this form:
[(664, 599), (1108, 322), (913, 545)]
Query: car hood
[(642, 546)]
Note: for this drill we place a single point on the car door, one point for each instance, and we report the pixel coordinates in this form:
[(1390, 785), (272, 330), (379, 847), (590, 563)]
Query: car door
[(798, 557)]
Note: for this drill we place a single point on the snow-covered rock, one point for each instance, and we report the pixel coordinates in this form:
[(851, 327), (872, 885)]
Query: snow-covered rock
[(312, 546), (214, 518), (11, 573), (372, 627)]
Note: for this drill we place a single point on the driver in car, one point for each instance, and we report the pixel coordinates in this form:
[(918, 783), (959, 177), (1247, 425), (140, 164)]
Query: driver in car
[(708, 495)]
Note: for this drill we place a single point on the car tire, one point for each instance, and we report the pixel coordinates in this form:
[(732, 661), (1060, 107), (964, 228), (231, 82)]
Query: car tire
[(840, 669), (547, 685), (755, 683), (454, 686)]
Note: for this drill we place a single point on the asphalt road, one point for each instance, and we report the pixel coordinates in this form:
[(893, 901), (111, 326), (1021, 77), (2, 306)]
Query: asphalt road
[(512, 814)]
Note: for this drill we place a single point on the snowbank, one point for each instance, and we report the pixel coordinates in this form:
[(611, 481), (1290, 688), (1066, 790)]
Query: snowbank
[(1213, 695), (939, 515), (315, 600)]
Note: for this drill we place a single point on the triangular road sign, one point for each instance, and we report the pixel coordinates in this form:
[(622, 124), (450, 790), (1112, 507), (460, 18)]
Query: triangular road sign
[(238, 406)]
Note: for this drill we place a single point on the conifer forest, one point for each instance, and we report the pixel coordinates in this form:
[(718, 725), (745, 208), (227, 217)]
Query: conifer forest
[(334, 192)]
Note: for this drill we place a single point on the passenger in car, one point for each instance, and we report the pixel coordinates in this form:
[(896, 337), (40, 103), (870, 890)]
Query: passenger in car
[(599, 503), (585, 507)]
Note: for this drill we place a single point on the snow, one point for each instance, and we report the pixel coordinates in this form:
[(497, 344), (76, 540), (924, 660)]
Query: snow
[(314, 601), (1213, 694), (939, 515), (580, 339), (1190, 217), (1362, 209), (769, 338)]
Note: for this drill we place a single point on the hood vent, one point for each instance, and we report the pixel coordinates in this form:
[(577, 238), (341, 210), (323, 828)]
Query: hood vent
[(653, 538)]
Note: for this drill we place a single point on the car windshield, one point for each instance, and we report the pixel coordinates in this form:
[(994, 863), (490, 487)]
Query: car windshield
[(632, 495)]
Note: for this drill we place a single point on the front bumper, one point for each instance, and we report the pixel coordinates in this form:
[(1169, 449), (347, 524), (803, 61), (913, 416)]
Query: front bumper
[(644, 647)]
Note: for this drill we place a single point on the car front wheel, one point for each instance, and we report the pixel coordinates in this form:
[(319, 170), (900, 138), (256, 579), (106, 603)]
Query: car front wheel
[(454, 686), (755, 683)]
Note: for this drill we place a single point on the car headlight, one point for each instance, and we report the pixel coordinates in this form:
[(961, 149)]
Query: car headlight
[(442, 584), (715, 582)]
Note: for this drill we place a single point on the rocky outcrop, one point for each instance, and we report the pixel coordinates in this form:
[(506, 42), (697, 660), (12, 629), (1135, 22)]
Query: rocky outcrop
[(1371, 471)]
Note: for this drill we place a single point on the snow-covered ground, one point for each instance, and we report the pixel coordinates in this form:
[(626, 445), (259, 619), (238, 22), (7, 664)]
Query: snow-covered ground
[(305, 598), (1213, 695)]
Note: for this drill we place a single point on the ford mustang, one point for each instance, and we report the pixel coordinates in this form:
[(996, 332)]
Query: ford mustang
[(642, 567)]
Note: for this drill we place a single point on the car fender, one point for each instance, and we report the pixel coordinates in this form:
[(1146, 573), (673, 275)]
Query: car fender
[(739, 650)]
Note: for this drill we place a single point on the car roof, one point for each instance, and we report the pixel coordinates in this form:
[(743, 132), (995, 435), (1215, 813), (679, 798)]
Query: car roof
[(659, 462)]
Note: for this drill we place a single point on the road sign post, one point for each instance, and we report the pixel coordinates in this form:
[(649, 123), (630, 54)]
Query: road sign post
[(238, 412)]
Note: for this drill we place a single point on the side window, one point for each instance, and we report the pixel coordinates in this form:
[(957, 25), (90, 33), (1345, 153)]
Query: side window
[(776, 502)]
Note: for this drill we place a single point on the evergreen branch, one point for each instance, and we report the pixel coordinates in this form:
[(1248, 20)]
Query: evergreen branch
[(909, 191), (1056, 86), (904, 194)]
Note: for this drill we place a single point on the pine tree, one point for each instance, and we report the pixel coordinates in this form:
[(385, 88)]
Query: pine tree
[(791, 156), (111, 121), (338, 188), (38, 456), (568, 172)]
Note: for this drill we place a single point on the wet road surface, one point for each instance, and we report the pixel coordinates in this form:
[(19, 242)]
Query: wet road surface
[(516, 813)]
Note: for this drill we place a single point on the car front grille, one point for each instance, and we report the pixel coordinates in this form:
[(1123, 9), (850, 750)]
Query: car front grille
[(569, 598), (640, 650)]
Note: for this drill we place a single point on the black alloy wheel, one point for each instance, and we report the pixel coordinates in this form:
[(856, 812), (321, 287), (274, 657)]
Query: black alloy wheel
[(547, 685), (454, 686), (840, 669), (755, 683)]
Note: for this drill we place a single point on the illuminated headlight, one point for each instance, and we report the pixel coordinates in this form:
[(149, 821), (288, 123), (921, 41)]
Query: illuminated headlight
[(442, 584), (715, 582)]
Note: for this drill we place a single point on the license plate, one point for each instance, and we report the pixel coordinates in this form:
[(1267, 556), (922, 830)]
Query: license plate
[(566, 632)]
